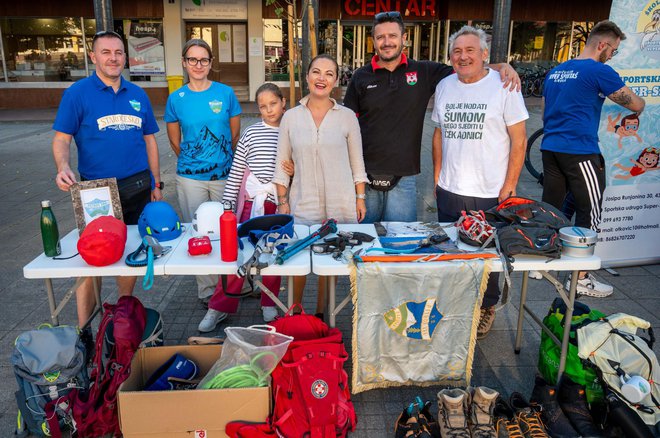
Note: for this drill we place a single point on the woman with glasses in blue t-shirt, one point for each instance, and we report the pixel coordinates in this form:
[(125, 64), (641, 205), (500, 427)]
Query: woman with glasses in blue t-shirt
[(203, 125)]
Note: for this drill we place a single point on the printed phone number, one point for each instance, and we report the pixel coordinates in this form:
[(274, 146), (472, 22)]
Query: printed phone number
[(617, 219), (622, 237)]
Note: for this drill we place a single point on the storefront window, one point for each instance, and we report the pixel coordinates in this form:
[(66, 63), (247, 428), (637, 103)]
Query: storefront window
[(54, 49), (43, 49), (548, 42), (328, 38), (276, 49), (143, 41)]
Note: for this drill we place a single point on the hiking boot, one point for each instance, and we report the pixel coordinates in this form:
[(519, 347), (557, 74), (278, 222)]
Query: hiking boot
[(211, 320), (453, 406), (528, 416), (269, 313), (506, 424), (573, 402), (481, 412), (591, 287), (485, 321), (545, 396)]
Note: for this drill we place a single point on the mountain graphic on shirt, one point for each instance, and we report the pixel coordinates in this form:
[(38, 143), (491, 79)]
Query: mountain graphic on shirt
[(212, 155)]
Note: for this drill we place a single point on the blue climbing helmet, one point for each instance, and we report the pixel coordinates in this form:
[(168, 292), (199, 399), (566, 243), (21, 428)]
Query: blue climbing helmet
[(159, 220)]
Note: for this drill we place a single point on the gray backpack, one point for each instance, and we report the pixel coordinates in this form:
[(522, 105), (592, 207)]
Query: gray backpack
[(614, 348), (48, 363)]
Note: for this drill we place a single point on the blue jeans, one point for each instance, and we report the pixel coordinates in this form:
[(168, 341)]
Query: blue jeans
[(397, 205)]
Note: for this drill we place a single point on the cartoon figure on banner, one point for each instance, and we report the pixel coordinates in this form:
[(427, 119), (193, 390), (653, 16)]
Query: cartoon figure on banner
[(651, 30), (628, 128), (647, 161)]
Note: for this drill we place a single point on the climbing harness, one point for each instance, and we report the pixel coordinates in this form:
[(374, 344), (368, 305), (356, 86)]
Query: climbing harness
[(152, 250)]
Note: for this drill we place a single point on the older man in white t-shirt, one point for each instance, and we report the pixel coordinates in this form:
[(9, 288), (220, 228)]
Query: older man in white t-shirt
[(479, 141)]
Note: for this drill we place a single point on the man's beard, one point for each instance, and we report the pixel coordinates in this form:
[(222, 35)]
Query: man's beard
[(393, 57), (602, 58)]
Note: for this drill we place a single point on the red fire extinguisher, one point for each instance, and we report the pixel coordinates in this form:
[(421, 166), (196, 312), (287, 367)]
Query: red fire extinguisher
[(228, 235)]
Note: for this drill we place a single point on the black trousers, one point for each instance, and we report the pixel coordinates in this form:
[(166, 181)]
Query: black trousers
[(583, 176), (450, 206)]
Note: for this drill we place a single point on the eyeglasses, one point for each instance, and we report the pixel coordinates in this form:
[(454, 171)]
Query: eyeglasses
[(205, 62), (614, 51), (389, 16)]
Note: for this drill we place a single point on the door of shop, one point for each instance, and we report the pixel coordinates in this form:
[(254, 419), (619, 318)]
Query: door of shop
[(228, 42)]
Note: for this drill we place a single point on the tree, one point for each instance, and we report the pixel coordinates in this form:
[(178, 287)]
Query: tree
[(296, 18)]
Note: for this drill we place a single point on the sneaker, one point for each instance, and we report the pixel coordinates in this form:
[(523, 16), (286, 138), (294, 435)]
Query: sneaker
[(506, 424), (269, 313), (591, 287), (528, 416), (211, 320), (481, 412), (536, 275), (545, 396), (485, 321), (453, 406), (573, 402)]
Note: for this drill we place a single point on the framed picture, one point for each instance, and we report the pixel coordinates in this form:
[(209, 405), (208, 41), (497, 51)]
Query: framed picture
[(94, 198)]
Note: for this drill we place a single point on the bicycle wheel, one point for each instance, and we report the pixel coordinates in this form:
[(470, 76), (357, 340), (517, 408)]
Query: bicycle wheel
[(533, 160), (526, 87), (537, 90)]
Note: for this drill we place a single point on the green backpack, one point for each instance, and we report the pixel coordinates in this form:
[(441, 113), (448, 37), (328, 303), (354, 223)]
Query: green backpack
[(550, 352)]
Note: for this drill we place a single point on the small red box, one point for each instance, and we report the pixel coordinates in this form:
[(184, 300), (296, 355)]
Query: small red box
[(199, 246)]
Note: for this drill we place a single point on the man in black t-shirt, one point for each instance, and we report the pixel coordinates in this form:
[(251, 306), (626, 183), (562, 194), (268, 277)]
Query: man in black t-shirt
[(390, 96)]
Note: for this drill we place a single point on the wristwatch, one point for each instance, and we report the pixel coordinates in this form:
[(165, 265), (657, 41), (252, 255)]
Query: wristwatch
[(160, 185), (361, 196)]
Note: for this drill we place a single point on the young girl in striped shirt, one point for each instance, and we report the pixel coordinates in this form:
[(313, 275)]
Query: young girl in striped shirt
[(252, 170)]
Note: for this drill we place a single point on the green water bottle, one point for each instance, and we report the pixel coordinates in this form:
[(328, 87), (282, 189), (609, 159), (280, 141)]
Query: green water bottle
[(49, 233)]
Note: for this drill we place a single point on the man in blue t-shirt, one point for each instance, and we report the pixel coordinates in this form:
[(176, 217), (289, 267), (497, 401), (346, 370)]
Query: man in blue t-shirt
[(114, 126), (574, 93)]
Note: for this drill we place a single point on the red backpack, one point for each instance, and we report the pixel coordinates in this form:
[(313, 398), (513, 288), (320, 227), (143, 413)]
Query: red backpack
[(310, 386), (95, 410)]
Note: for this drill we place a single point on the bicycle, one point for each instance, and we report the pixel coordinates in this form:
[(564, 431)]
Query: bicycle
[(533, 160)]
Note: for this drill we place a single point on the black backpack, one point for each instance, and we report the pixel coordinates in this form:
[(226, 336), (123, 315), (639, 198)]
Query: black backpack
[(526, 226)]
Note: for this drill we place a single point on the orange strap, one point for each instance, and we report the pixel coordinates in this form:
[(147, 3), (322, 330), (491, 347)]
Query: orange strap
[(427, 257)]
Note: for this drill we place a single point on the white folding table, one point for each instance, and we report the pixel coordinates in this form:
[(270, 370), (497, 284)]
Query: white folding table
[(325, 265), (176, 262), (48, 268), (181, 263)]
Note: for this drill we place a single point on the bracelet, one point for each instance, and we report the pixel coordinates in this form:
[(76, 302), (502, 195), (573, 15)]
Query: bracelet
[(361, 196), (283, 202)]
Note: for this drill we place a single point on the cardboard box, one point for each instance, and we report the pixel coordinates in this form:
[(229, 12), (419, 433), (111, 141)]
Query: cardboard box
[(184, 414)]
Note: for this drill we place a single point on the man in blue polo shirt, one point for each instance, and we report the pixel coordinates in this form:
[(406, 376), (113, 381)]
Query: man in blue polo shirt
[(114, 126), (574, 93)]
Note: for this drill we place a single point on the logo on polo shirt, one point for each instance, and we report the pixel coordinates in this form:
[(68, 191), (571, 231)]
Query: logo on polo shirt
[(216, 106), (135, 104), (119, 122), (371, 86), (411, 77)]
